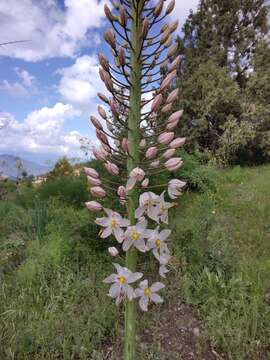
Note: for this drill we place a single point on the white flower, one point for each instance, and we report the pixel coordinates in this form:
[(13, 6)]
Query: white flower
[(135, 175), (148, 204), (120, 288), (174, 188), (135, 236), (163, 209), (146, 294), (163, 271), (113, 251), (112, 224), (157, 243)]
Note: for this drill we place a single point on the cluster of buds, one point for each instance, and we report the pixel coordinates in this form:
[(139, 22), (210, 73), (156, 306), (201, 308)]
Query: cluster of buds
[(135, 144)]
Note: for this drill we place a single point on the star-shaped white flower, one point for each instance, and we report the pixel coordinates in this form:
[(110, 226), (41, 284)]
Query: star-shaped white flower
[(113, 225), (120, 288), (148, 204), (148, 293), (157, 243), (135, 236)]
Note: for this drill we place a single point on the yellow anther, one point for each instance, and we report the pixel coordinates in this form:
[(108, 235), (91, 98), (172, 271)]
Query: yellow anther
[(158, 242), (147, 292), (135, 236), (113, 223), (122, 280)]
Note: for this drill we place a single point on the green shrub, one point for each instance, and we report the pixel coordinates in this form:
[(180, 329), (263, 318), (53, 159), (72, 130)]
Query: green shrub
[(71, 190)]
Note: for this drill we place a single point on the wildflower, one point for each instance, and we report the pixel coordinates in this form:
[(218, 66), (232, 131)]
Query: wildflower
[(148, 293), (135, 236), (112, 168), (148, 204), (98, 191), (120, 288), (113, 225), (157, 243), (173, 164), (174, 188), (165, 138), (136, 174), (93, 206)]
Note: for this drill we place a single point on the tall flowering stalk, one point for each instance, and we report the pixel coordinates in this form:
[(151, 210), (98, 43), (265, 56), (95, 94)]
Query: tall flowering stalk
[(135, 145)]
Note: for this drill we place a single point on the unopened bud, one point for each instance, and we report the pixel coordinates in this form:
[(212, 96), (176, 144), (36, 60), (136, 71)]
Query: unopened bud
[(158, 8), (108, 13), (96, 123), (145, 28), (103, 98), (166, 108), (174, 26), (170, 7), (93, 206), (175, 64), (156, 103), (168, 80), (122, 16), (103, 62), (98, 191), (122, 56), (172, 96), (173, 50), (109, 36), (102, 113), (113, 251)]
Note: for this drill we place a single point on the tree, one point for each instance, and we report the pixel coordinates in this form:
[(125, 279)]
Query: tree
[(61, 168), (227, 32)]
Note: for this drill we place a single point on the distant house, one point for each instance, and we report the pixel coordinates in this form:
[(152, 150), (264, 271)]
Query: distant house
[(3, 178), (39, 180)]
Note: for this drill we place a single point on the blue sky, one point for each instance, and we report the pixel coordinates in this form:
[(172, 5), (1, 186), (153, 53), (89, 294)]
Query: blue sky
[(48, 85)]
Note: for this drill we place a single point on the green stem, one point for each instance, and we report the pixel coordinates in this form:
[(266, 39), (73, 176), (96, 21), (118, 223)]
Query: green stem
[(133, 161)]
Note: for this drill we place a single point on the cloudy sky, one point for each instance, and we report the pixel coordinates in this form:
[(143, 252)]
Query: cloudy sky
[(48, 85)]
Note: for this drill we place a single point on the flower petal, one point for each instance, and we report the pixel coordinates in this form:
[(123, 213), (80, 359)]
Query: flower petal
[(106, 232), (143, 302), (157, 286), (115, 290), (110, 279), (156, 298), (132, 277), (127, 244)]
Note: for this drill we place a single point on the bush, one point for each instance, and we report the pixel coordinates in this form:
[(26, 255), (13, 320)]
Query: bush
[(72, 190)]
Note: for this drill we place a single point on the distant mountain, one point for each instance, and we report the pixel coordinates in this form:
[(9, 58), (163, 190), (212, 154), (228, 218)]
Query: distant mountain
[(13, 166)]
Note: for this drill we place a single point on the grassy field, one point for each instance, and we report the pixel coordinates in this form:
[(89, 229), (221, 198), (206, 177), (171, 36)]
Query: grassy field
[(54, 306)]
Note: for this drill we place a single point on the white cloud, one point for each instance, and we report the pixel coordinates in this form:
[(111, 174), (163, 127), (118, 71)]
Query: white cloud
[(52, 31), (26, 78), (42, 131), (80, 82), (14, 89)]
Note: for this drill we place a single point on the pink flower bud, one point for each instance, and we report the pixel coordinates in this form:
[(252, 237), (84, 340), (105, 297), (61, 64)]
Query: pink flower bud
[(103, 98), (125, 145), (151, 152), (173, 164), (175, 64), (170, 7), (102, 137), (91, 172), (145, 183), (158, 8), (167, 108), (156, 102), (113, 251), (114, 107), (169, 153), (172, 52), (96, 123), (172, 125), (106, 148), (93, 181), (100, 154), (142, 144), (165, 138), (112, 168), (172, 96), (175, 116), (103, 62), (167, 81), (137, 174), (145, 27), (98, 191), (122, 56), (93, 206), (123, 16), (109, 36), (108, 13), (102, 112), (178, 142), (121, 192), (174, 26), (155, 164)]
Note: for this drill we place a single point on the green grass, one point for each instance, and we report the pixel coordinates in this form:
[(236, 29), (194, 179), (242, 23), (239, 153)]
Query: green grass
[(222, 242), (53, 304)]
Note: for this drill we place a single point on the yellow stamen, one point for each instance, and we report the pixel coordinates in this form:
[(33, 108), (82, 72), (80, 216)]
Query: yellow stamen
[(158, 242), (113, 223), (147, 292), (122, 280), (135, 236)]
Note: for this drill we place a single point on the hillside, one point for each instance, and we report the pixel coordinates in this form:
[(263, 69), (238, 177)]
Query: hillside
[(13, 166)]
